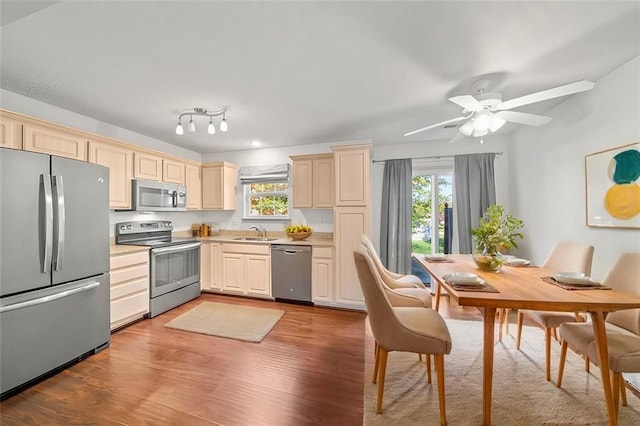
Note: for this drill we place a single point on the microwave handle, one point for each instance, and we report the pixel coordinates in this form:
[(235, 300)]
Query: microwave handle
[(175, 198)]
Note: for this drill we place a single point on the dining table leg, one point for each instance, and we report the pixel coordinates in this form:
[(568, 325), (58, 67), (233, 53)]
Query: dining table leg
[(489, 320), (600, 333)]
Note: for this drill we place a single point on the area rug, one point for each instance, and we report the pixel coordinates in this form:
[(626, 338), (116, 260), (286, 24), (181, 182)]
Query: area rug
[(231, 321), (521, 395)]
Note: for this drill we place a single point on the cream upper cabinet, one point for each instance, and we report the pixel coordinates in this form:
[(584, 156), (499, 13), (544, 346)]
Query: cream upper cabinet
[(210, 270), (54, 141), (352, 174), (313, 181), (147, 166), (10, 133), (322, 275), (118, 160), (246, 269), (194, 187), (173, 171), (219, 186)]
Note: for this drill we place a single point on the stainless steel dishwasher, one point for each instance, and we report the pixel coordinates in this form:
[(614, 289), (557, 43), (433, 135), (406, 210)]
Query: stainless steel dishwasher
[(291, 272)]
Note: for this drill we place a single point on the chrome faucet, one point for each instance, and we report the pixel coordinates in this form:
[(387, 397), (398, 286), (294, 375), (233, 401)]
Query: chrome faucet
[(260, 228)]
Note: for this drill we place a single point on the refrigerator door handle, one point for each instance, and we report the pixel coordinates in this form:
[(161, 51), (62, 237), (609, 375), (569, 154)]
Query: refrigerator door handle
[(41, 300), (45, 181), (59, 224)]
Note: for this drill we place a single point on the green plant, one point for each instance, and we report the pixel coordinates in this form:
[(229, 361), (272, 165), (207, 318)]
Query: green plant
[(497, 231)]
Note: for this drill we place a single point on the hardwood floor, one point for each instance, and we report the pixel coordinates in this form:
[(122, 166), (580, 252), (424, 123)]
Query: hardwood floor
[(307, 371)]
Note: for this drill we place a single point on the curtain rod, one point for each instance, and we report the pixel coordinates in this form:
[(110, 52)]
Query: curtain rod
[(436, 157)]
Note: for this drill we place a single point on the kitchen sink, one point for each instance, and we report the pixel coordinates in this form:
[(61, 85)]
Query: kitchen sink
[(254, 239)]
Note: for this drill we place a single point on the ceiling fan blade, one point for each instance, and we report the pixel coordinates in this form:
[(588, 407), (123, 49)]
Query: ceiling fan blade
[(468, 102), (556, 92), (459, 136), (453, 120), (524, 118)]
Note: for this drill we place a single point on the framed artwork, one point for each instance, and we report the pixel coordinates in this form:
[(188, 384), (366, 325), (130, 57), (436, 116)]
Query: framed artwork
[(612, 179)]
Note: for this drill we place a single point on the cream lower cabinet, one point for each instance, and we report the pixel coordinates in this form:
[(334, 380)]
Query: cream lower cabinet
[(322, 275), (246, 269), (210, 263), (129, 287), (349, 225)]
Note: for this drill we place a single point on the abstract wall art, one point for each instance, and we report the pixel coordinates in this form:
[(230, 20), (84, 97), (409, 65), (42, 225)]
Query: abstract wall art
[(612, 180)]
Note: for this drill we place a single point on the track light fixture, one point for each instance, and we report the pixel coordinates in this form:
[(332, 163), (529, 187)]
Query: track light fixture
[(191, 126)]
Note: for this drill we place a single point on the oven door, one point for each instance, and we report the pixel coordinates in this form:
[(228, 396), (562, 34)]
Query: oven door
[(174, 267)]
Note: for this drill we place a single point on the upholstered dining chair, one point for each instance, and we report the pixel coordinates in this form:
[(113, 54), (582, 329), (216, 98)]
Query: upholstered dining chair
[(401, 329), (565, 256), (401, 280), (622, 328), (401, 297)]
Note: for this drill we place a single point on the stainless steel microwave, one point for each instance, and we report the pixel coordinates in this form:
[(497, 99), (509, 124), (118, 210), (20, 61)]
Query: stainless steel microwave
[(150, 196)]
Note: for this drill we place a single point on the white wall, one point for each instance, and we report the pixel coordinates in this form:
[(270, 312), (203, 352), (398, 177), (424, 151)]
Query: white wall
[(494, 143), (546, 168)]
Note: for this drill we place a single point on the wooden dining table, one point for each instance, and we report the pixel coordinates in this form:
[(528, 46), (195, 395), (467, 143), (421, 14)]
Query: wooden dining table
[(523, 288)]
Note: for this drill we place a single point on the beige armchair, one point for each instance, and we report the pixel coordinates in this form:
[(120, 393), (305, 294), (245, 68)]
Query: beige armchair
[(622, 327), (563, 257), (405, 329)]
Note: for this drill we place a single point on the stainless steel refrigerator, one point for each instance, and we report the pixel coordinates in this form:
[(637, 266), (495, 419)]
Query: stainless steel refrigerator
[(54, 264)]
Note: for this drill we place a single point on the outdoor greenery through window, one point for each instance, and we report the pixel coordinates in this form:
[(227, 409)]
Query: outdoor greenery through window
[(267, 200), (427, 221)]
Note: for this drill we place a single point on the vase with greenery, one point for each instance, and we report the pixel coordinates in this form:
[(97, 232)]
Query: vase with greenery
[(497, 233)]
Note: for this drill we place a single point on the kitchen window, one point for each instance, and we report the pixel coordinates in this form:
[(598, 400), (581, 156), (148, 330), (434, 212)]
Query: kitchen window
[(266, 192)]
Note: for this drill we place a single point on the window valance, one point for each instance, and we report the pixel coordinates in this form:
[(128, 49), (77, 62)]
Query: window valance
[(264, 174)]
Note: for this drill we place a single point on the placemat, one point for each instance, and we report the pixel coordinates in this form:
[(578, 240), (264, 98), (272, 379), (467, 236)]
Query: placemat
[(594, 286), (486, 288)]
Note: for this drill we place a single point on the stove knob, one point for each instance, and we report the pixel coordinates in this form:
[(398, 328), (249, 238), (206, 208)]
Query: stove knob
[(122, 227), (129, 227)]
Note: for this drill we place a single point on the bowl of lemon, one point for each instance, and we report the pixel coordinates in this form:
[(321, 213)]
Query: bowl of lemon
[(298, 232)]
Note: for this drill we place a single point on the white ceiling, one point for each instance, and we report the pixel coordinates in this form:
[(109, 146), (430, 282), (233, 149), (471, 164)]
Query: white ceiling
[(302, 72)]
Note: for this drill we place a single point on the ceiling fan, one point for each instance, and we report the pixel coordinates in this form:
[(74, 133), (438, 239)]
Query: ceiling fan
[(486, 112)]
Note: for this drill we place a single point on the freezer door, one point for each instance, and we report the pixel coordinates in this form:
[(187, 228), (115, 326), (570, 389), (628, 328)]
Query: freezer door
[(81, 219), (25, 203), (45, 329)]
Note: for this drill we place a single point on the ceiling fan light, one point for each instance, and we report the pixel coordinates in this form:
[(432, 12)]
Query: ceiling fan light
[(482, 121), (467, 128), (480, 132), (496, 123)]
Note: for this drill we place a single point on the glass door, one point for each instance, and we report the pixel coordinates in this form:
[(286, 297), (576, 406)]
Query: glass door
[(174, 267), (432, 195)]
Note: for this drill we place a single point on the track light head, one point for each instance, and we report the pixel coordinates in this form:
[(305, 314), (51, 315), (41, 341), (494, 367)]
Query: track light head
[(197, 111)]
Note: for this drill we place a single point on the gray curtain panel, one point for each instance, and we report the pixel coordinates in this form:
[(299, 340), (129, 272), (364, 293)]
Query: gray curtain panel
[(395, 222), (475, 191)]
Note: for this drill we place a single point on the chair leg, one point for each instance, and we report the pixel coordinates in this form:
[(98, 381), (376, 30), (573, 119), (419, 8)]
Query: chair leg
[(519, 332), (441, 399), (555, 334), (500, 323), (623, 392), (429, 368), (563, 357), (376, 364), (381, 373), (547, 352), (587, 364), (506, 321)]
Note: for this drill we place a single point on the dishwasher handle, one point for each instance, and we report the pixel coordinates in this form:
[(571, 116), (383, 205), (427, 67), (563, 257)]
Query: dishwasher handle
[(289, 251)]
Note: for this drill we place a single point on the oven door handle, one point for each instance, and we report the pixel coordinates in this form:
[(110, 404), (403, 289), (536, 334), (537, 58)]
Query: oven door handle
[(172, 249)]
